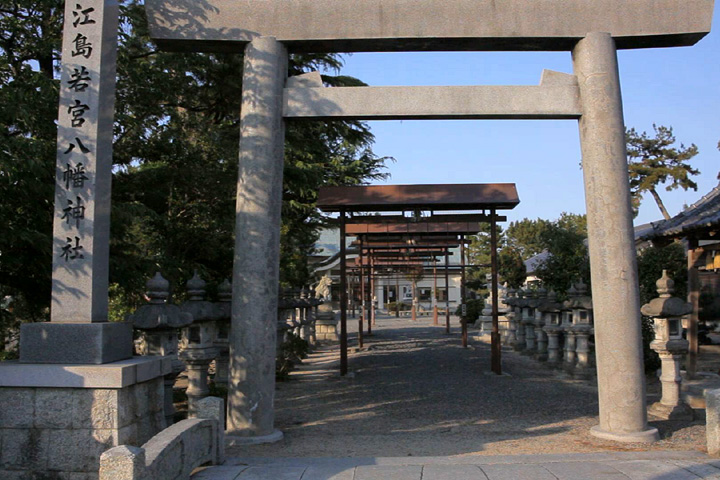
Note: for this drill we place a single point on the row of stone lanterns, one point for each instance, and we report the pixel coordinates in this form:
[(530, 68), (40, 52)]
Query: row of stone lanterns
[(535, 323), (196, 333)]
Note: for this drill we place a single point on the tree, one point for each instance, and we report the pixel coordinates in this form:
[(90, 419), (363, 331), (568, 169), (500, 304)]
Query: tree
[(568, 261), (656, 161), (179, 156), (511, 267), (526, 236), (29, 45), (176, 139), (651, 263)]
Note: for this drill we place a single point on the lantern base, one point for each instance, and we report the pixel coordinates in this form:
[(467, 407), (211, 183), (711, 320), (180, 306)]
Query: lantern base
[(682, 411)]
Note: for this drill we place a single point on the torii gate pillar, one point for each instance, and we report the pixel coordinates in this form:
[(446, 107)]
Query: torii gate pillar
[(250, 411), (618, 346)]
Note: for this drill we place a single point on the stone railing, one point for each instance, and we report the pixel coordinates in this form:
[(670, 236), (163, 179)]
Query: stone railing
[(205, 331), (173, 453)]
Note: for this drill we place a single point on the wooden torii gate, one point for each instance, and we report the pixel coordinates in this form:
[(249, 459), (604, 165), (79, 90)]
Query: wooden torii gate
[(592, 30)]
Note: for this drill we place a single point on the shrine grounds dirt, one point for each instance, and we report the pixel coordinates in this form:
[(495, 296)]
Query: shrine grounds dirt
[(414, 391)]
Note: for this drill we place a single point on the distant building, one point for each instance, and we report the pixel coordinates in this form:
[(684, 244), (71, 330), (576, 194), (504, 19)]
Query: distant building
[(387, 288)]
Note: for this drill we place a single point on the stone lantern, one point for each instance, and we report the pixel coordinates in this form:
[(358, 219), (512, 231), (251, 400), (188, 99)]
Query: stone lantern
[(158, 322), (510, 300), (552, 327), (666, 312), (519, 304), (484, 322), (528, 320), (503, 310), (539, 322), (568, 332), (222, 340), (312, 313), (198, 340), (582, 309)]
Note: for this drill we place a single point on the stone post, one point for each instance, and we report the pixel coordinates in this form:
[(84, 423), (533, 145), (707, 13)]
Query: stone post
[(199, 341), (222, 340), (568, 332), (666, 312), (257, 243), (621, 382), (158, 322)]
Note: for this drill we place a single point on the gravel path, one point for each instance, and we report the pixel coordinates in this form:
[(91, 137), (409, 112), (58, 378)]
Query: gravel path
[(414, 391)]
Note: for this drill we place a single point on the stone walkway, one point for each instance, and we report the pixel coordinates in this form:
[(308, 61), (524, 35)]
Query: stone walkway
[(594, 466), (418, 405)]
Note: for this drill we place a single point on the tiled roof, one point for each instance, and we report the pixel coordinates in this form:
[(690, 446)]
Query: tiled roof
[(705, 213)]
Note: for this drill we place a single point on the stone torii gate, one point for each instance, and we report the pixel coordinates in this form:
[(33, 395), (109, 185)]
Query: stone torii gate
[(591, 29)]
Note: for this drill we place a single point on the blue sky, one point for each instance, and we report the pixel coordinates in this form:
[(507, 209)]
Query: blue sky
[(678, 87)]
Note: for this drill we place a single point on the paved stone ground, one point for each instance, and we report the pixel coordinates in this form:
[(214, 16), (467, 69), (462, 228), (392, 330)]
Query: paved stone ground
[(414, 394), (608, 466)]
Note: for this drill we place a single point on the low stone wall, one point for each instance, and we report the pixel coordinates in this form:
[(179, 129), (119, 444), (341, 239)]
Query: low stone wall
[(173, 453), (56, 420)]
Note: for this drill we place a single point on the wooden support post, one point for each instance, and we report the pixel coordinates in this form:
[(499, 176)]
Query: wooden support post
[(435, 295), (361, 318), (694, 254), (463, 319), (495, 362), (371, 320), (447, 291), (397, 295), (343, 299)]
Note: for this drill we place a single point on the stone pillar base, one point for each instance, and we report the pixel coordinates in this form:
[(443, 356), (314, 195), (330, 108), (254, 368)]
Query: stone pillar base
[(683, 411), (234, 440), (57, 420), (647, 436), (75, 343)]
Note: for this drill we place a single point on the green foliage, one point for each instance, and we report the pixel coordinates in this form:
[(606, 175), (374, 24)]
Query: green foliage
[(177, 143), (175, 154), (652, 261), (511, 267), (655, 161), (526, 236), (292, 349), (218, 390), (474, 308), (29, 43), (650, 356), (564, 239)]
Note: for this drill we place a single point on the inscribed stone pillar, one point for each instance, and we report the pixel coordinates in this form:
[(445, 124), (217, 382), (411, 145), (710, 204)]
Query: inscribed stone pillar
[(257, 243), (621, 381), (79, 331)]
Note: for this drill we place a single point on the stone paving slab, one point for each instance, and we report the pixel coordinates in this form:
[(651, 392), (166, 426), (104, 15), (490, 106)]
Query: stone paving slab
[(648, 470), (585, 471), (452, 472), (515, 472), (388, 472), (671, 465)]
